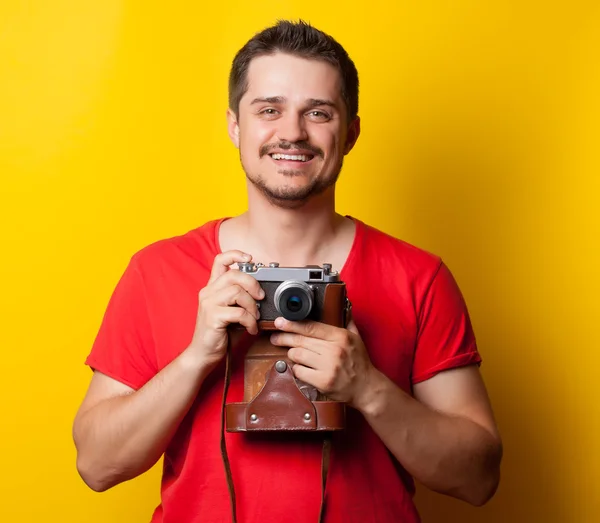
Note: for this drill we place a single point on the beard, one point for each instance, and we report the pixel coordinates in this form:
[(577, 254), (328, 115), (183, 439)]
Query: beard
[(289, 197), (293, 197)]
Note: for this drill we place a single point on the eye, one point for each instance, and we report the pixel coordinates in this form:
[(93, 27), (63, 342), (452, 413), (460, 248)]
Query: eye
[(319, 115), (269, 112)]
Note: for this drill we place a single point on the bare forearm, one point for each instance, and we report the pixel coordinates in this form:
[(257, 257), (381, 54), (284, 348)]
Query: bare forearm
[(124, 436), (452, 455)]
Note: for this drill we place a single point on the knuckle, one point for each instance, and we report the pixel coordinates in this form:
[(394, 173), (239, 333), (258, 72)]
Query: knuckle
[(345, 337), (239, 278), (247, 318), (220, 258), (249, 282), (229, 276), (212, 322)]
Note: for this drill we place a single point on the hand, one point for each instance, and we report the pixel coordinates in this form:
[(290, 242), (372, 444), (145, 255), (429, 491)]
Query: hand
[(229, 297), (332, 359)]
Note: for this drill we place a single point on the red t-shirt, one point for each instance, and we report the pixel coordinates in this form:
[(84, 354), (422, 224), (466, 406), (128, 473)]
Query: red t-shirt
[(414, 323)]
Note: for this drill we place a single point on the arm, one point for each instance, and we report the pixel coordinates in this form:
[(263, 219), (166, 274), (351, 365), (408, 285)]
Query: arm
[(120, 433), (445, 436)]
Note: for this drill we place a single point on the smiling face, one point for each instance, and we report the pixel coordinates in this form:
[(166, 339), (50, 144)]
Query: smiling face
[(292, 129)]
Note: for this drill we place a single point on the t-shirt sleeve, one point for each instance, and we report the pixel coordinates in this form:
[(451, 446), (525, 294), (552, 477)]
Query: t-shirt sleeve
[(445, 337), (124, 348)]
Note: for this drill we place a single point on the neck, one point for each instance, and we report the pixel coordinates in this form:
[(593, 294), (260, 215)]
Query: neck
[(291, 236)]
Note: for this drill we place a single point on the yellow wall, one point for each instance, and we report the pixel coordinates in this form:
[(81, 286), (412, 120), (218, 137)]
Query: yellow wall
[(480, 137)]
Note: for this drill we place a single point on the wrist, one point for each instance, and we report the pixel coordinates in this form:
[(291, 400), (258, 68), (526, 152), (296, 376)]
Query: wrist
[(197, 364), (371, 399)]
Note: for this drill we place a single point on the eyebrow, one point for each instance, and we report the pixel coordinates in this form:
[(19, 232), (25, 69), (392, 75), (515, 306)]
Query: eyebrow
[(312, 102), (316, 102)]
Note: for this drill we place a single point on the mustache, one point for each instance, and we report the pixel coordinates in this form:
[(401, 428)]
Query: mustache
[(305, 146)]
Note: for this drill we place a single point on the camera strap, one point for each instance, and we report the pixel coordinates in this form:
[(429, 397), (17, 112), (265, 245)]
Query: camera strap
[(325, 456), (224, 455)]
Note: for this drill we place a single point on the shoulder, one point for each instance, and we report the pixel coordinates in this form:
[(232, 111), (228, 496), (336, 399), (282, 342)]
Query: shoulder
[(198, 245), (394, 255)]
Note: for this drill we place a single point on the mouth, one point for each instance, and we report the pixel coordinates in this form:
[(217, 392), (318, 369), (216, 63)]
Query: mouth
[(292, 159)]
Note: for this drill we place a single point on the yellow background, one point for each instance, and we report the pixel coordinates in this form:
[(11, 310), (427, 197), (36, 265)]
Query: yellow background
[(481, 123)]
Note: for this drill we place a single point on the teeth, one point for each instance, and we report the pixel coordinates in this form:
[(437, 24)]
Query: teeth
[(300, 157)]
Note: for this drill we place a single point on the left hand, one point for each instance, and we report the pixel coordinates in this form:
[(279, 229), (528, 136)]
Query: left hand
[(332, 359)]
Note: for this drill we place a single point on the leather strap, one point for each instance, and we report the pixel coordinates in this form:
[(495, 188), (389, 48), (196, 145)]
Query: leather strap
[(324, 470), (328, 417), (224, 454), (334, 420)]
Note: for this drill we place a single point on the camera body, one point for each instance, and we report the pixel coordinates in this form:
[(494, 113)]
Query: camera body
[(274, 399), (312, 292)]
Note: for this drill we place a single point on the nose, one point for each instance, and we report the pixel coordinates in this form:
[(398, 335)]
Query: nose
[(292, 128)]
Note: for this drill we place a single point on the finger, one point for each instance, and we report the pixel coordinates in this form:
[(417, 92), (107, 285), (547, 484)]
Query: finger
[(288, 339), (310, 376), (310, 329), (232, 315), (245, 281), (223, 260), (308, 358), (236, 295)]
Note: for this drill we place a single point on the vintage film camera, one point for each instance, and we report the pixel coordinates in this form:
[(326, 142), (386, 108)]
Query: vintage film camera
[(274, 400)]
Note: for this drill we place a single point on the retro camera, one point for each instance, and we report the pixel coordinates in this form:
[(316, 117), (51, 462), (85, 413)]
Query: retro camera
[(311, 292), (274, 400)]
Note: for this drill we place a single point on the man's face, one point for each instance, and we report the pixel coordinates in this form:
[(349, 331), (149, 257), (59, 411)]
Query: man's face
[(292, 129)]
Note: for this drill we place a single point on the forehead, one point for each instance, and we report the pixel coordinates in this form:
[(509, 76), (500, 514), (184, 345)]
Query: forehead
[(295, 78)]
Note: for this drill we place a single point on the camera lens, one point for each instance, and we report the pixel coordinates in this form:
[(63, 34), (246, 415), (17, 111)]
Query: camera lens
[(294, 303), (293, 300)]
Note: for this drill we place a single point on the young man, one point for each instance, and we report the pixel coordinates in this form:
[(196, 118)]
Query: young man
[(406, 365)]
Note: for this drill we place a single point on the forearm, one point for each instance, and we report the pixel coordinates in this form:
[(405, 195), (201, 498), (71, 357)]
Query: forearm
[(124, 436), (448, 454)]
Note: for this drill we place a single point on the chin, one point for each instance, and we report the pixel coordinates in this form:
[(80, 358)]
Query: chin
[(286, 196), (289, 197), (291, 189)]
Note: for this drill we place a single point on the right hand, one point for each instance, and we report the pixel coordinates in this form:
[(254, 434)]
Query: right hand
[(216, 310)]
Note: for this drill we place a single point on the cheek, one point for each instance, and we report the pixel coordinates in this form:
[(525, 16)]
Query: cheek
[(255, 134), (335, 149), (329, 141)]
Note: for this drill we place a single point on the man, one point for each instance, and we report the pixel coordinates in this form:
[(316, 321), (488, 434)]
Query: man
[(406, 365)]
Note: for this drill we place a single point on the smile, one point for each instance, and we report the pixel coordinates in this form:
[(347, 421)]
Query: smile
[(292, 157)]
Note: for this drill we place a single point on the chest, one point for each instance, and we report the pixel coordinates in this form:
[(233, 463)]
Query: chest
[(384, 316)]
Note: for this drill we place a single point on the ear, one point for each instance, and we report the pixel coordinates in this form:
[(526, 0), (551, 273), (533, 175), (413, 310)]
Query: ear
[(353, 134), (233, 128)]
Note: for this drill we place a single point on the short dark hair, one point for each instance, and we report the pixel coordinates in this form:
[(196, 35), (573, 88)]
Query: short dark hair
[(299, 39)]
